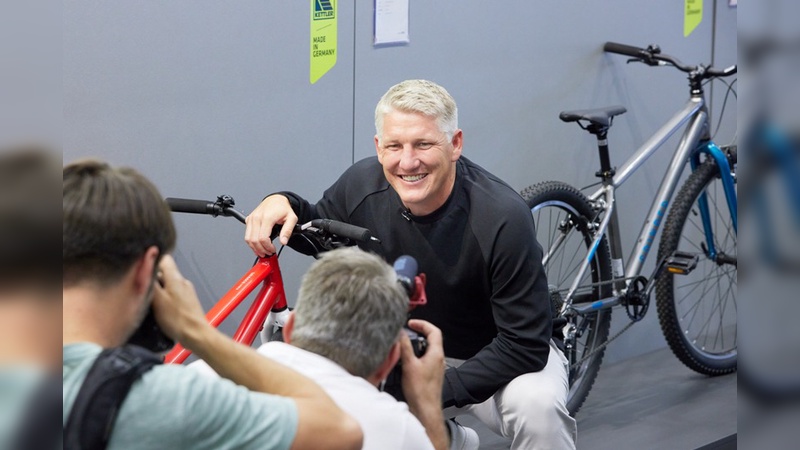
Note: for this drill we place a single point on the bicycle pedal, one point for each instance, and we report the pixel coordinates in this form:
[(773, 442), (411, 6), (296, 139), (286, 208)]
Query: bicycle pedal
[(682, 263)]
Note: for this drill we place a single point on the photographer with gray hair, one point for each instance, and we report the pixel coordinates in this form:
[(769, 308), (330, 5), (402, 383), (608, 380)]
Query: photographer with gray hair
[(345, 334)]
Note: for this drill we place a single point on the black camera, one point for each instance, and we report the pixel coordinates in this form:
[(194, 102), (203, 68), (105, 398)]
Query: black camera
[(150, 336), (393, 385), (406, 268), (418, 341)]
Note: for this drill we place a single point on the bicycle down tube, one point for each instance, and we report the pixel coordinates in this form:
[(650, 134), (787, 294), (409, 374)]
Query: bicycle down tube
[(271, 295)]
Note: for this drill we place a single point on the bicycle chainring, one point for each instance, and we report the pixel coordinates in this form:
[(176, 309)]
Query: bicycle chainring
[(636, 300)]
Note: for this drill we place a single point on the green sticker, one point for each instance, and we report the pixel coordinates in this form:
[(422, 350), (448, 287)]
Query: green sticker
[(323, 38), (692, 15)]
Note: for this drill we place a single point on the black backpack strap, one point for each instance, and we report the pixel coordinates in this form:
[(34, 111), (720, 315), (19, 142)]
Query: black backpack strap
[(39, 426), (94, 412)]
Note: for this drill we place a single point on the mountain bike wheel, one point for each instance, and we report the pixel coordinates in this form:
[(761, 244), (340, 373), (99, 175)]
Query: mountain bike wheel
[(561, 211), (697, 311)]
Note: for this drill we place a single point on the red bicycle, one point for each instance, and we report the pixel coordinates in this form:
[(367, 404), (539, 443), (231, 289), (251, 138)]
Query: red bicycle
[(269, 309)]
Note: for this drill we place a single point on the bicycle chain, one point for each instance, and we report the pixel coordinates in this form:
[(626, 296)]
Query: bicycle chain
[(612, 338), (601, 346), (599, 283)]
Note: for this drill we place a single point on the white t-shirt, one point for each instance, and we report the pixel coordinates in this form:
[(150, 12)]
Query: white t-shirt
[(387, 424)]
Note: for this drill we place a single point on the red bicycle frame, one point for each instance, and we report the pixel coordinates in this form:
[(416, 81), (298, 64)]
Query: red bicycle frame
[(265, 271)]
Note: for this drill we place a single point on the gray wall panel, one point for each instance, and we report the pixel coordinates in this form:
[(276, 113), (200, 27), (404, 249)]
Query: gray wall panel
[(208, 98)]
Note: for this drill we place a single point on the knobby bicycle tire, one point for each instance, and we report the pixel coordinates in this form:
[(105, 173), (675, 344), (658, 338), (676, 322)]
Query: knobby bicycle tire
[(697, 312), (554, 204)]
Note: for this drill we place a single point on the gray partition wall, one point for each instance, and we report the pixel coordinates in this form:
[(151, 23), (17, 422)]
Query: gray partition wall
[(209, 97)]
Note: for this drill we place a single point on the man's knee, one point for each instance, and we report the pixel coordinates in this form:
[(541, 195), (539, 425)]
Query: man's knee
[(533, 397), (534, 410)]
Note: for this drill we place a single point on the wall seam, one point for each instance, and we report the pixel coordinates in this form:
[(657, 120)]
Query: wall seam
[(353, 122), (713, 51)]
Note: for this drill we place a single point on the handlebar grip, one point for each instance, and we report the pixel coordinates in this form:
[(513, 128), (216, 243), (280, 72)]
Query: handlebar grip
[(622, 49), (186, 205), (728, 71), (343, 229)]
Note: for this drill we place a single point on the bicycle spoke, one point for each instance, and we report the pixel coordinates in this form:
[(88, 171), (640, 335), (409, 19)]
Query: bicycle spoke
[(707, 323)]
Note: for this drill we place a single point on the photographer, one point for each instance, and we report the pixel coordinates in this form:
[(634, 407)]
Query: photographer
[(117, 233), (345, 333)]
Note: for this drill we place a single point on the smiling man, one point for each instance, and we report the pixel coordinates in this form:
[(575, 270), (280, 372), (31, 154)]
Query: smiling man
[(474, 237)]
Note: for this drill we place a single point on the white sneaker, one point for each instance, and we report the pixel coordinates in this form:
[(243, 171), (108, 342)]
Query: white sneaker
[(461, 437)]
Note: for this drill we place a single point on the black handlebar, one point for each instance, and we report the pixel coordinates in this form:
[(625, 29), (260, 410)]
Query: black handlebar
[(652, 56), (622, 49), (187, 205), (223, 206), (344, 230), (722, 73)]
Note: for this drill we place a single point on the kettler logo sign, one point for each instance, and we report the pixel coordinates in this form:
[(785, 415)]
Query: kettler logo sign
[(323, 10)]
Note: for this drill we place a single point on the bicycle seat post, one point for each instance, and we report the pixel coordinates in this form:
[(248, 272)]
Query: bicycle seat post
[(606, 172)]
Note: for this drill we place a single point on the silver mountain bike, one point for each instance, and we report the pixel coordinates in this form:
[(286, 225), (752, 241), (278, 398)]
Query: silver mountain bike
[(695, 274)]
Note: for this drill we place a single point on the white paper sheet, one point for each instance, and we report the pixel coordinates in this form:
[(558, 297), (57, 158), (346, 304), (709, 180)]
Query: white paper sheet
[(391, 22)]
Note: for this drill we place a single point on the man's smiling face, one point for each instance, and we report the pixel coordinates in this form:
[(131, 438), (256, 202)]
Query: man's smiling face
[(418, 160)]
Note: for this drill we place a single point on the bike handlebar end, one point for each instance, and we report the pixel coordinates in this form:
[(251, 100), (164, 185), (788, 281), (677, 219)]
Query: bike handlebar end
[(623, 49)]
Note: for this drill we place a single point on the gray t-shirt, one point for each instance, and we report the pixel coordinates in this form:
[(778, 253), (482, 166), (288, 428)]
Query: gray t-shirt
[(172, 407)]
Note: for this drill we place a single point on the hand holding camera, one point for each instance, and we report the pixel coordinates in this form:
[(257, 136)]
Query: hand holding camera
[(422, 376), (414, 285), (418, 341), (416, 365), (176, 309)]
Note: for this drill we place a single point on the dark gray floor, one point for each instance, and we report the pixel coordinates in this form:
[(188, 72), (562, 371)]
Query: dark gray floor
[(648, 402)]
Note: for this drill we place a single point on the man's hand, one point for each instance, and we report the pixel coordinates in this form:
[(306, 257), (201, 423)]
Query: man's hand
[(176, 306), (273, 210), (422, 381)]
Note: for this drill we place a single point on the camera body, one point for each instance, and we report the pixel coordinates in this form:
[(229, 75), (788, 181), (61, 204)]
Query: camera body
[(418, 341), (393, 384), (150, 336)]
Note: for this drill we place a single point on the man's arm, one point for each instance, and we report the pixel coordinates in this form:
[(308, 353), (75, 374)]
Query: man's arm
[(422, 382), (286, 209), (520, 309), (321, 424)]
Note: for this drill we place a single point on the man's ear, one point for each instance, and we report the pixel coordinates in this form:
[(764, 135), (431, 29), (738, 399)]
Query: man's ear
[(288, 328), (458, 143), (144, 270), (388, 364)]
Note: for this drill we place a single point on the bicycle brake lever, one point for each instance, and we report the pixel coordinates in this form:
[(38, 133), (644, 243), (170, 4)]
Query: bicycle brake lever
[(647, 61)]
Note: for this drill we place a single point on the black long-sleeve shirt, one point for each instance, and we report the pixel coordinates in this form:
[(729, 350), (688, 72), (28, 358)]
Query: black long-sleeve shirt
[(486, 288)]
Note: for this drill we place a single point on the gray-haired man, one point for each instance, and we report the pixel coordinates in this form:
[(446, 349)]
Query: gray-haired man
[(345, 334)]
